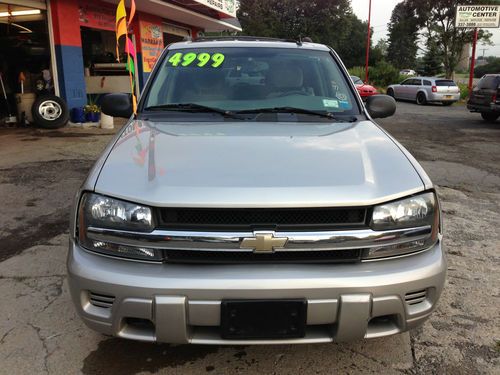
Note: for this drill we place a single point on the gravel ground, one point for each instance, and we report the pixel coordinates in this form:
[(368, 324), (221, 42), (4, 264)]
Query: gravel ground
[(40, 332)]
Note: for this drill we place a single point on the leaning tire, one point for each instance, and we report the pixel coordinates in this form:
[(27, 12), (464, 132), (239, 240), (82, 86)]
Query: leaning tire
[(490, 117), (50, 112), (421, 99)]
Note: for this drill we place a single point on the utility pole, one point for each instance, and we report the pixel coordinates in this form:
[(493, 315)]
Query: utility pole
[(473, 61), (368, 41)]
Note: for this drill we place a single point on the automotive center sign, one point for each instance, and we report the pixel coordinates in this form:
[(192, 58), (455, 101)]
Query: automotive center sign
[(480, 16), (227, 7)]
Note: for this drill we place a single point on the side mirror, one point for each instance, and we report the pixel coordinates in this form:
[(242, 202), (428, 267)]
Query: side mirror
[(380, 106), (117, 105)]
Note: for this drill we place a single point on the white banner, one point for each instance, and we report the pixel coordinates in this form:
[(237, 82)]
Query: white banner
[(481, 16), (224, 6)]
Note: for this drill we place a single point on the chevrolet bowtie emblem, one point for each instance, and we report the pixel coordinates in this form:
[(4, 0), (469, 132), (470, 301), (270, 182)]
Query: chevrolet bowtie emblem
[(263, 243)]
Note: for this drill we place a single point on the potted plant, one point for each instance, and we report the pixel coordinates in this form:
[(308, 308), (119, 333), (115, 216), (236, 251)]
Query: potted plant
[(92, 111)]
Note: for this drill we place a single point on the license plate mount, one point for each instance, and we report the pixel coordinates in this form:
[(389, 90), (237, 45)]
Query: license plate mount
[(263, 319)]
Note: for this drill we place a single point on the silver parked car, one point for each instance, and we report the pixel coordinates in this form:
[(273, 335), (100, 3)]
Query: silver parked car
[(254, 214), (426, 90)]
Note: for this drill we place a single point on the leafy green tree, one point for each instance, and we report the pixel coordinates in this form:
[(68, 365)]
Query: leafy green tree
[(403, 36), (432, 61), (378, 53), (437, 22), (331, 22)]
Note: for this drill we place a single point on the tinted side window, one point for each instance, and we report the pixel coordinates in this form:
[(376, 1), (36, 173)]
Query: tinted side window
[(488, 82), (406, 82), (417, 82), (427, 83)]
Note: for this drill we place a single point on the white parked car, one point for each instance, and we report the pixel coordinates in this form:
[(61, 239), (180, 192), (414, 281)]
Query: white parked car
[(426, 89), (408, 72)]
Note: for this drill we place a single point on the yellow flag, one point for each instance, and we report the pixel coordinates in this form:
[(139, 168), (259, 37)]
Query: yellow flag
[(121, 28), (120, 11)]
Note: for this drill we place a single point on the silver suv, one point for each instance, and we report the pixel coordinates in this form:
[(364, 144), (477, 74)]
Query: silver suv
[(270, 209), (426, 90)]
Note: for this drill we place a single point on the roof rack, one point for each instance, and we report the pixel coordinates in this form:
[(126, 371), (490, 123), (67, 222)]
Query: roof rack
[(243, 38)]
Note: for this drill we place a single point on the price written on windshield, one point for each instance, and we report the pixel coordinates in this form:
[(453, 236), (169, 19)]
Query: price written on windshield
[(200, 60)]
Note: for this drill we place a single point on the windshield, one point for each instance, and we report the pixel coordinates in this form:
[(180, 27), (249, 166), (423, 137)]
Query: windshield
[(249, 79)]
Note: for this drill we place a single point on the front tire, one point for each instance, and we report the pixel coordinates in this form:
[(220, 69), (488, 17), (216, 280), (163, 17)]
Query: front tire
[(390, 92), (490, 117), (50, 112), (421, 99)]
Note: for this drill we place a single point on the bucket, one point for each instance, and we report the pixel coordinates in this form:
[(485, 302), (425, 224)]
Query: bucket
[(24, 104), (92, 116), (77, 115), (106, 121)]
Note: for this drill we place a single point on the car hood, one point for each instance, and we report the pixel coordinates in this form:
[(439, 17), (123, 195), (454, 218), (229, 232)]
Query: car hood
[(256, 164)]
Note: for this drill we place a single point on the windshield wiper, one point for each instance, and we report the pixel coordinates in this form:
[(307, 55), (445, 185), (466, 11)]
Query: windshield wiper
[(325, 114), (189, 107)]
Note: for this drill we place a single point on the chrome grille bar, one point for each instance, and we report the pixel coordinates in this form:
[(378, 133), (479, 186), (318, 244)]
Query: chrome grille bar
[(231, 241)]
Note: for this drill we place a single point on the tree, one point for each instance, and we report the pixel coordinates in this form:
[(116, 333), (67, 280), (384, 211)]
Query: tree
[(403, 36), (331, 22), (378, 53), (432, 62), (437, 21)]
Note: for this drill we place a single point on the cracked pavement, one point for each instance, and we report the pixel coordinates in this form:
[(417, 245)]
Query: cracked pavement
[(40, 332)]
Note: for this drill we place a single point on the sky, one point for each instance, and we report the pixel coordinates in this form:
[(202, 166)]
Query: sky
[(381, 15)]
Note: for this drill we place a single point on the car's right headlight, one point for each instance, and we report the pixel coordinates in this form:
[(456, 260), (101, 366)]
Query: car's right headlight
[(103, 223), (412, 221)]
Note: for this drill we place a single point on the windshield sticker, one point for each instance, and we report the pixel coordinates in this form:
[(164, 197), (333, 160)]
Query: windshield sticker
[(344, 104), (197, 59), (330, 103), (341, 96)]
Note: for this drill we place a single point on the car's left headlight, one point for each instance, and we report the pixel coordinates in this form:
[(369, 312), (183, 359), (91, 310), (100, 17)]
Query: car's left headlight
[(104, 223), (409, 225), (414, 211)]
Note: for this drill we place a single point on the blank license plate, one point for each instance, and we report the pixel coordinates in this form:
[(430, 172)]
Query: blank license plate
[(263, 319)]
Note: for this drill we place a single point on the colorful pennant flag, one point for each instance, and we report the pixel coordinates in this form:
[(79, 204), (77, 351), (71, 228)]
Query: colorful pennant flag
[(122, 30)]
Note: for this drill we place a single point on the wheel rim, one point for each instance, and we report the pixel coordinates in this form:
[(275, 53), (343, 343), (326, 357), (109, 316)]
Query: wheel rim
[(50, 110), (420, 99)]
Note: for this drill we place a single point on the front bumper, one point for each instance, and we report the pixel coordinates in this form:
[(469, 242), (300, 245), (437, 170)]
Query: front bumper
[(181, 303)]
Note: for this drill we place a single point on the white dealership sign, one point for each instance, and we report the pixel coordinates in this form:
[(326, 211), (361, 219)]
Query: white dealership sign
[(481, 16), (224, 6)]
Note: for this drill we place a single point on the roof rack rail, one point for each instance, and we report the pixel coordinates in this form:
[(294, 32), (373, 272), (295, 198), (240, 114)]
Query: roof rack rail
[(243, 38)]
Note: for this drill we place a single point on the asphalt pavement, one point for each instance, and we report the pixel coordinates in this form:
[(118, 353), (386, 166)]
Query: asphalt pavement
[(40, 332)]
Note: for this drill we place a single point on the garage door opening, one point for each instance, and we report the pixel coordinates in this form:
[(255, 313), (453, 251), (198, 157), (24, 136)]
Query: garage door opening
[(25, 65)]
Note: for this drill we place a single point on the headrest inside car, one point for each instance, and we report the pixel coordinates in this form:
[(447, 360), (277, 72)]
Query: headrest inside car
[(286, 76)]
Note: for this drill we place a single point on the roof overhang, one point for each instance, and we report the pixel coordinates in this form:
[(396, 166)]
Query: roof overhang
[(183, 15)]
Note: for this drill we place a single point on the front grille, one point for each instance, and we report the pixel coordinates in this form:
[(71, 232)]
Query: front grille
[(101, 300), (261, 218), (225, 257)]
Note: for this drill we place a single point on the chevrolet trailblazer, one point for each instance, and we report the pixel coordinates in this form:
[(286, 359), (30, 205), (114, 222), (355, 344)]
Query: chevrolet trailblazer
[(253, 200)]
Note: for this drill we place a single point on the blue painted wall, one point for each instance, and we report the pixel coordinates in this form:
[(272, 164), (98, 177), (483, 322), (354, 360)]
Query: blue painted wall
[(71, 75)]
